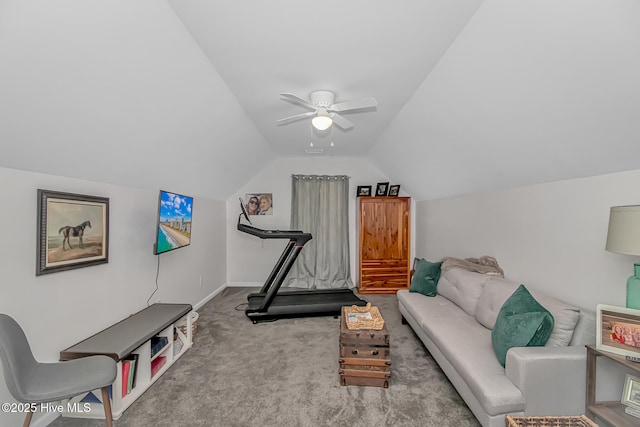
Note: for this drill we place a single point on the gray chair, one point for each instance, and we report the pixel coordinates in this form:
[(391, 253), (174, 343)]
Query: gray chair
[(32, 382)]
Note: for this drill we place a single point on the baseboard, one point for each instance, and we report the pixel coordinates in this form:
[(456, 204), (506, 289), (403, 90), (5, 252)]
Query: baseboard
[(245, 284), (222, 288), (209, 297)]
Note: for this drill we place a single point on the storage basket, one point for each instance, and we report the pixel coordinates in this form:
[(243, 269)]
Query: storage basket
[(367, 317), (551, 421), (194, 324)]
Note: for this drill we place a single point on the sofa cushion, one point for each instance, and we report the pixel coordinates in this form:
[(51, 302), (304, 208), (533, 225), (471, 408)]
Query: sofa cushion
[(425, 277), (463, 288), (585, 331), (494, 294), (498, 289), (467, 346), (522, 322)]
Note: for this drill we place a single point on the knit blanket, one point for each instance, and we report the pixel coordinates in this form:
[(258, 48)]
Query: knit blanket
[(484, 264)]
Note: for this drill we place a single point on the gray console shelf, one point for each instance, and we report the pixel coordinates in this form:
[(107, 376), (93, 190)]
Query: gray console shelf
[(132, 336)]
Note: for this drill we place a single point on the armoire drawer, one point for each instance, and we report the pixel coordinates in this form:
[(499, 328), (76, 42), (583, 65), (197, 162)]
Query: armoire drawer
[(385, 272), (384, 263), (390, 283)]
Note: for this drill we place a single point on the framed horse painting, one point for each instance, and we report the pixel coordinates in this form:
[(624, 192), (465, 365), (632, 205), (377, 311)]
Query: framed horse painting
[(73, 231)]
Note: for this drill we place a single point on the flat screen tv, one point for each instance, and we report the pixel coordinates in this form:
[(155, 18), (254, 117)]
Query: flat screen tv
[(174, 222)]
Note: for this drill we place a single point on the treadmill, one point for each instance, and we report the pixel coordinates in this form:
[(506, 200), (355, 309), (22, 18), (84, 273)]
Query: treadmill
[(268, 304)]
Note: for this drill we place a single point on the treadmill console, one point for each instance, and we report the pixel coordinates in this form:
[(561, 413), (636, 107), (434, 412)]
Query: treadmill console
[(300, 237)]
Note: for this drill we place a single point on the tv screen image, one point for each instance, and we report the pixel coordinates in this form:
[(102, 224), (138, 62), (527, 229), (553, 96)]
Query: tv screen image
[(174, 222)]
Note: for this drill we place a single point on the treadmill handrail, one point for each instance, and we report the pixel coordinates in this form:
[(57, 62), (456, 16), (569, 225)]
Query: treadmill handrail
[(274, 234)]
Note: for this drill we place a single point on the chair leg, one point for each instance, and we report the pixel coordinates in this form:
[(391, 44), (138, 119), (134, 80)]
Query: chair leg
[(27, 419), (106, 402)]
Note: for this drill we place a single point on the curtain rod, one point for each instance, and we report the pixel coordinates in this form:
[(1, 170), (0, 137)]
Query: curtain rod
[(320, 177)]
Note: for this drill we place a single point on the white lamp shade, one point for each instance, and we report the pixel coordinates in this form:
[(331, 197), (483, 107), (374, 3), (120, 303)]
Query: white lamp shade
[(624, 230), (321, 122)]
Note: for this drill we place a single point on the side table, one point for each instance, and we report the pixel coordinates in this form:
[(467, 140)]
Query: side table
[(611, 412)]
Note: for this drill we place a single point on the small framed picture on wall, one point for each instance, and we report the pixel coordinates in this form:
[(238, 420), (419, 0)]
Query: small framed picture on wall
[(259, 203), (364, 190), (382, 188)]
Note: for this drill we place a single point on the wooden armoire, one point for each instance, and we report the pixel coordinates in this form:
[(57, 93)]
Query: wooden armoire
[(384, 226)]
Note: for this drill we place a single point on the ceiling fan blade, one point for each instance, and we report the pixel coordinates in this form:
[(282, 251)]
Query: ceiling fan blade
[(341, 122), (298, 100), (294, 118), (356, 104)]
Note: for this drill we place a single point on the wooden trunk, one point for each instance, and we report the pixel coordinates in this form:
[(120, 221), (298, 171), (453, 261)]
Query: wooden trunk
[(364, 337), (383, 244), (364, 352), (365, 359), (363, 381)]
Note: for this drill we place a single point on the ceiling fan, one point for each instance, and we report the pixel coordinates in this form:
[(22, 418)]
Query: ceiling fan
[(324, 110)]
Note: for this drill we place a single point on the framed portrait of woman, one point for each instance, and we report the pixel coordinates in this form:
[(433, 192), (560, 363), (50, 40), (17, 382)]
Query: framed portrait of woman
[(259, 203)]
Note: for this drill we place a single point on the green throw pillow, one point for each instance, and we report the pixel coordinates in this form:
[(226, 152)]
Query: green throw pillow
[(425, 277), (521, 322)]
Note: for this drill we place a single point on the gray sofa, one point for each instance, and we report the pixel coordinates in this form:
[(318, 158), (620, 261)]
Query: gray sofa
[(455, 326)]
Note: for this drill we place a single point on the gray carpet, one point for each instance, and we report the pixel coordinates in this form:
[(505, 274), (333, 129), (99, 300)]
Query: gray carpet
[(285, 373)]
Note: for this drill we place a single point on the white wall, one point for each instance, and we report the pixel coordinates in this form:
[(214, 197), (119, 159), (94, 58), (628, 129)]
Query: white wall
[(510, 105), (59, 309), (90, 86), (550, 236), (250, 259)]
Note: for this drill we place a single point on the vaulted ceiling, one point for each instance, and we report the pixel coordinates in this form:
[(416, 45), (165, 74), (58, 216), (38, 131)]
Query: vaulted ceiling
[(184, 94)]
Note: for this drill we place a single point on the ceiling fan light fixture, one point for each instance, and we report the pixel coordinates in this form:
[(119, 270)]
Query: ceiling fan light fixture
[(322, 121), (324, 111)]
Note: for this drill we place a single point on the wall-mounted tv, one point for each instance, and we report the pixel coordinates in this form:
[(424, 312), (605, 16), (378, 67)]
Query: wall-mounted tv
[(174, 222)]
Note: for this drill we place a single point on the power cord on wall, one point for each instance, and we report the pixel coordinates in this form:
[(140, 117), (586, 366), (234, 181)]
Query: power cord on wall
[(157, 274)]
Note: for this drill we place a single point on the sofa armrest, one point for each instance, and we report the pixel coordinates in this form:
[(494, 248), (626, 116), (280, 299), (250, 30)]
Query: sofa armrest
[(551, 379)]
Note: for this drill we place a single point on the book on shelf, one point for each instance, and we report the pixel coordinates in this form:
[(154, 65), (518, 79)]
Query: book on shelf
[(133, 363), (126, 366), (157, 364), (157, 344)]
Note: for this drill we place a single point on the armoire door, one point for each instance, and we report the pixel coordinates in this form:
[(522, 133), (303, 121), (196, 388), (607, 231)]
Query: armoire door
[(384, 244)]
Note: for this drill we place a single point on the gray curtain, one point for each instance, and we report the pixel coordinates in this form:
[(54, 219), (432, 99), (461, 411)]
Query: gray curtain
[(320, 206)]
